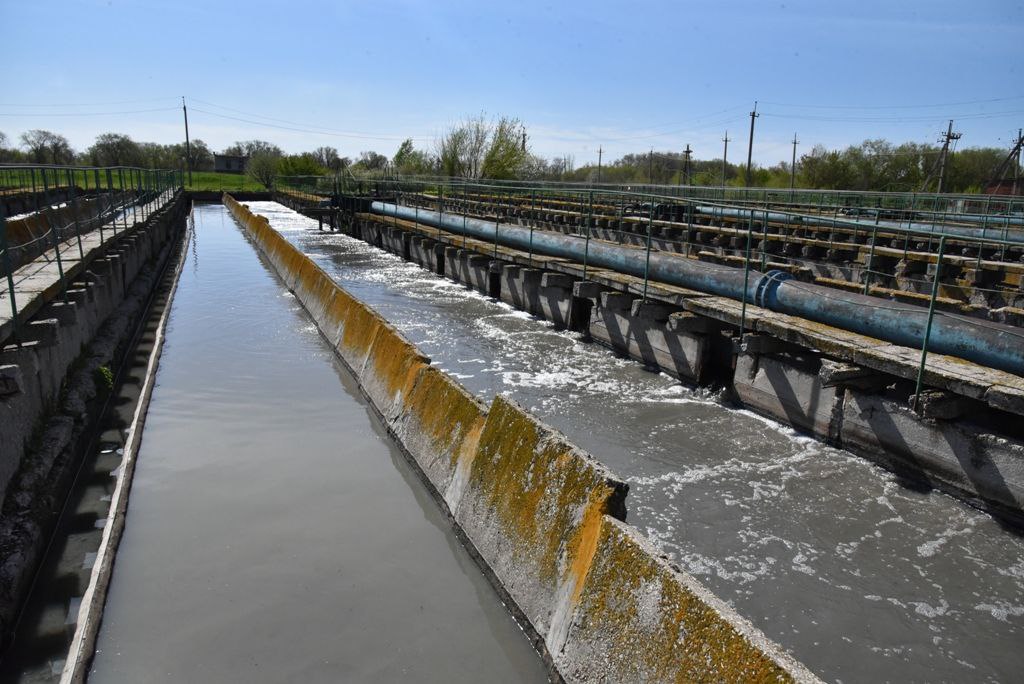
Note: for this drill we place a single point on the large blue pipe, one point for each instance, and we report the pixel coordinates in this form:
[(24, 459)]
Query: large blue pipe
[(996, 228), (989, 344)]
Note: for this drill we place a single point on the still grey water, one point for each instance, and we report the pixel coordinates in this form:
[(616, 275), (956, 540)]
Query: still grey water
[(862, 578), (274, 532)]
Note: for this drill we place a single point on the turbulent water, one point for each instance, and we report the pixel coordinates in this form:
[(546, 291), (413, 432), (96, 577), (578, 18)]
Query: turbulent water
[(274, 532), (861, 577)]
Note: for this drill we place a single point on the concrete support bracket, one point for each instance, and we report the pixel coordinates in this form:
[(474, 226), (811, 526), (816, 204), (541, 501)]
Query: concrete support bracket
[(11, 381), (586, 289)]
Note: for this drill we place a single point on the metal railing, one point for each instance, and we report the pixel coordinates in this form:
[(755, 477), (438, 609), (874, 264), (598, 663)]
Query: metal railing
[(925, 226), (57, 204)]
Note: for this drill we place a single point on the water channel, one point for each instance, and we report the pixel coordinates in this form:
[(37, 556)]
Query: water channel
[(862, 576)]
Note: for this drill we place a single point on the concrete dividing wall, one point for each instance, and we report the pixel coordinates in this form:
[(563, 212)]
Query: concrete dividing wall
[(543, 516)]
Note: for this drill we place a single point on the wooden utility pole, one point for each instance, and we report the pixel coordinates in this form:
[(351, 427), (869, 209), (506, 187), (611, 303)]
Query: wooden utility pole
[(792, 166), (725, 156), (750, 144), (650, 166), (599, 153), (188, 145), (686, 165), (940, 163)]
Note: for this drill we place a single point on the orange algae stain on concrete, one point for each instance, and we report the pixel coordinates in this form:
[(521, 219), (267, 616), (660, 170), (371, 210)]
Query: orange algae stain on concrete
[(641, 620), (547, 495)]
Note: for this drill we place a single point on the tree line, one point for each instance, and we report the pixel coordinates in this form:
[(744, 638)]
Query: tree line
[(498, 148)]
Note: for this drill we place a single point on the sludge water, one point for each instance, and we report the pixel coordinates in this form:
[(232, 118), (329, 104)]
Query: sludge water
[(860, 576), (274, 532)]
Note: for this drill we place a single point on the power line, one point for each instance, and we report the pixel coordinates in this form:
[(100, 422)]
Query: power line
[(312, 130), (894, 119), (921, 106), (308, 127), (134, 111), (87, 104)]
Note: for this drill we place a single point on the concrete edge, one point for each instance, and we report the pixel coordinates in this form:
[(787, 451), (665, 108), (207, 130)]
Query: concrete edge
[(90, 612), (551, 603)]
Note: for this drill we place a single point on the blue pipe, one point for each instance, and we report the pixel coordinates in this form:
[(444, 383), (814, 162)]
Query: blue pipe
[(997, 227), (990, 344)]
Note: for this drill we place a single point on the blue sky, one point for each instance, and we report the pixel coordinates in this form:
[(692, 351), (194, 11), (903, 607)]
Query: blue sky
[(626, 76)]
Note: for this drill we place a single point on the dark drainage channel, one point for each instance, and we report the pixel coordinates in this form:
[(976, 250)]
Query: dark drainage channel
[(48, 618)]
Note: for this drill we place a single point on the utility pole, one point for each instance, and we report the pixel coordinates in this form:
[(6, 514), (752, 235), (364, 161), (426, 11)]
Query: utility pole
[(1016, 166), (792, 166), (599, 153), (650, 166), (947, 137), (686, 165), (188, 145), (524, 139), (725, 156), (1012, 159), (750, 145)]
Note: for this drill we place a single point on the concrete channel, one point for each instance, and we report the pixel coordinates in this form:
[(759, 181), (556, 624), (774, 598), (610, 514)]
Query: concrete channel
[(861, 575), (275, 532)]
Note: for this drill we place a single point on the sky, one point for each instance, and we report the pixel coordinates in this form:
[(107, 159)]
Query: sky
[(619, 76)]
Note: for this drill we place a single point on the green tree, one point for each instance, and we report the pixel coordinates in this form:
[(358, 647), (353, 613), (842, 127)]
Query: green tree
[(506, 150), (262, 168), (115, 149), (410, 161), (305, 164)]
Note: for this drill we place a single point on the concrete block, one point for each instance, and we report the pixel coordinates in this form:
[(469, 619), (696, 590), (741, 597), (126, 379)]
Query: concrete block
[(792, 395), (44, 332), (616, 301), (559, 280), (684, 321), (587, 289), (957, 456), (682, 354), (11, 381), (651, 310)]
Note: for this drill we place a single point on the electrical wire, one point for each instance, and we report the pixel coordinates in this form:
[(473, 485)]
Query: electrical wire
[(923, 106), (134, 111), (88, 104), (307, 130)]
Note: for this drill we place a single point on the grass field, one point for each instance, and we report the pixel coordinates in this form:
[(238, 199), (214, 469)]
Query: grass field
[(211, 180)]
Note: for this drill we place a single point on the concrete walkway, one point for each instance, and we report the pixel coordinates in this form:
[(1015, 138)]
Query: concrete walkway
[(39, 281)]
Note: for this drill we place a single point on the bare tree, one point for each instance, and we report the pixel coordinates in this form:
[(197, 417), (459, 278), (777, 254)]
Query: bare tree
[(328, 158), (46, 147), (481, 147)]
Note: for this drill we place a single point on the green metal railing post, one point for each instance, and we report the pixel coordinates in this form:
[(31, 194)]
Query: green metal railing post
[(746, 276), (928, 327), (871, 259), (533, 221), (55, 235), (647, 262), (110, 196), (5, 252), (764, 242), (124, 199), (494, 253), (440, 209), (74, 212), (586, 246)]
